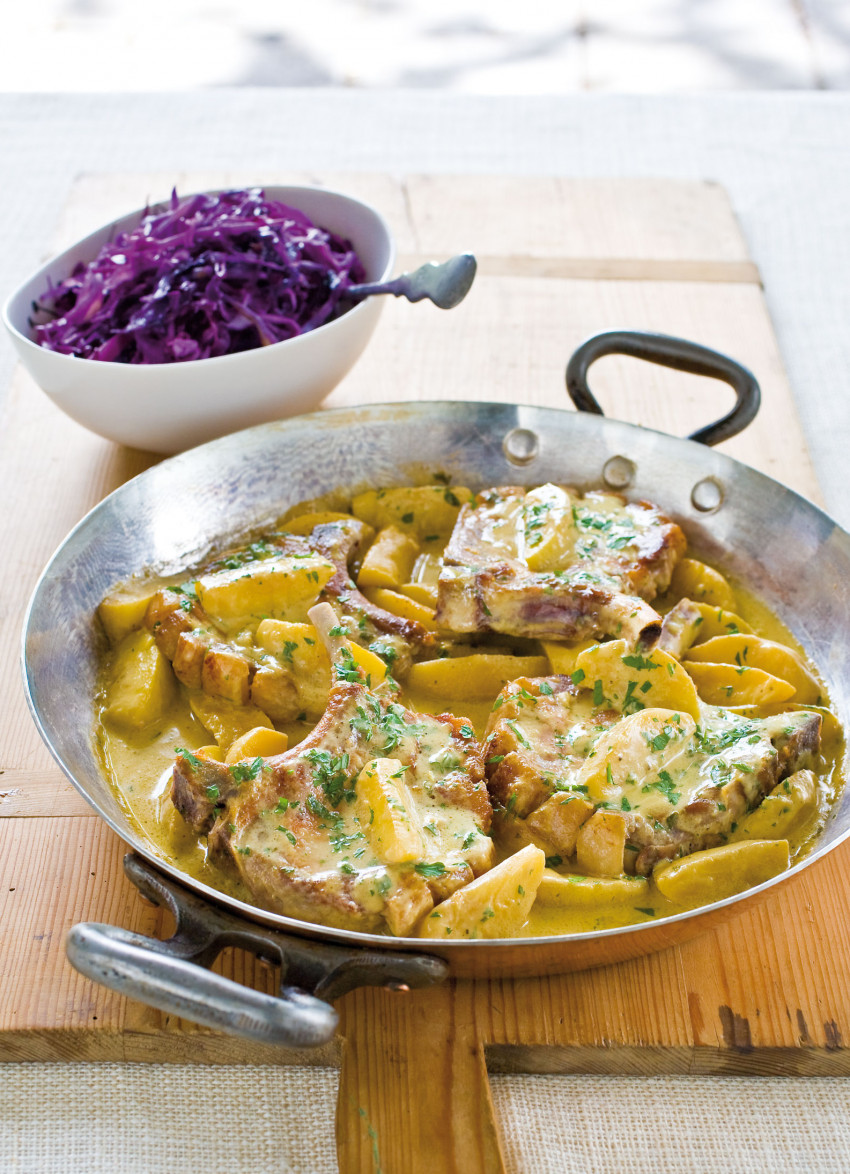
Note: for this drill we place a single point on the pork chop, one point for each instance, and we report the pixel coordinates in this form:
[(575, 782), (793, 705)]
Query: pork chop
[(553, 760), (314, 836), (552, 563), (227, 661)]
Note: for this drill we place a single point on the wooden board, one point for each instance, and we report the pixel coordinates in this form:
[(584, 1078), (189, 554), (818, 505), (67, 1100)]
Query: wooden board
[(768, 993)]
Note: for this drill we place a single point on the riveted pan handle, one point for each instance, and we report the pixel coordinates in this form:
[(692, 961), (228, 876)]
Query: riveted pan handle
[(125, 962), (173, 974), (680, 354)]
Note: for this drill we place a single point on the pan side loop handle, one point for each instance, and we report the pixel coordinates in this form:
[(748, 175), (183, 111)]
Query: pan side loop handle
[(679, 354), (124, 962)]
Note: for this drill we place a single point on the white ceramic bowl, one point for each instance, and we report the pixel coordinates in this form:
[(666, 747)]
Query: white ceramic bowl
[(168, 407)]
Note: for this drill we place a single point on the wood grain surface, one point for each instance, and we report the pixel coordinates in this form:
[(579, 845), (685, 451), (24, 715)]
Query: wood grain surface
[(766, 993)]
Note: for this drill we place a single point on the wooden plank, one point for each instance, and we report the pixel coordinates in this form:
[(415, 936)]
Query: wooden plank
[(536, 217), (542, 320), (27, 793), (549, 216), (767, 992), (436, 1063), (53, 874), (612, 268)]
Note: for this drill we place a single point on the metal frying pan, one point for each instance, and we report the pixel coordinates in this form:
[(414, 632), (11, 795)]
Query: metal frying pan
[(788, 552)]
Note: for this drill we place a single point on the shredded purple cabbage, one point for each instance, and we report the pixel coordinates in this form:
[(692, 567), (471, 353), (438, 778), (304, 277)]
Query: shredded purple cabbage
[(212, 275)]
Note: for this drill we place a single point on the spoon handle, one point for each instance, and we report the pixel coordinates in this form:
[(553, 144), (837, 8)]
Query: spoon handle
[(446, 284)]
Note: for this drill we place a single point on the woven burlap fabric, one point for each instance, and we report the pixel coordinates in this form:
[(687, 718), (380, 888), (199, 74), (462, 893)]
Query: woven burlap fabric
[(660, 1124), (155, 1119)]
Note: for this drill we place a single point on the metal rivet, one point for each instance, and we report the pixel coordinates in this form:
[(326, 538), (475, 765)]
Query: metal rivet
[(520, 446), (618, 472), (707, 495)]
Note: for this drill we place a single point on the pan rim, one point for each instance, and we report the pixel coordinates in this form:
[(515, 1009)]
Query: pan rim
[(462, 410)]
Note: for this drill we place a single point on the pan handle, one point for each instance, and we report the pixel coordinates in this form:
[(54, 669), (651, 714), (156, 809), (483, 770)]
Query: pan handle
[(668, 352), (173, 975), (124, 962)]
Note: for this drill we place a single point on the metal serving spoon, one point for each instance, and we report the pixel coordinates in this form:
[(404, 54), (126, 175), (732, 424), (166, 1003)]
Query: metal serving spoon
[(446, 284)]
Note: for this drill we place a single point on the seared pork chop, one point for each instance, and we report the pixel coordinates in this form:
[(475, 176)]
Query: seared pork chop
[(551, 563), (673, 786), (519, 603), (221, 654), (379, 812)]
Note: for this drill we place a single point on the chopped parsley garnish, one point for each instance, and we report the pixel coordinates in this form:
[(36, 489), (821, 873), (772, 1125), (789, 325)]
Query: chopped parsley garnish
[(632, 704), (289, 647), (189, 757), (341, 842), (363, 723), (385, 651), (318, 809), (714, 743), (347, 668), (243, 771), (664, 784), (430, 870), (520, 736), (639, 662), (394, 727), (331, 774)]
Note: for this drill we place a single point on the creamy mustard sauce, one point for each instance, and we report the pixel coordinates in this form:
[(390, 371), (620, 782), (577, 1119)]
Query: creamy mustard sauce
[(139, 766)]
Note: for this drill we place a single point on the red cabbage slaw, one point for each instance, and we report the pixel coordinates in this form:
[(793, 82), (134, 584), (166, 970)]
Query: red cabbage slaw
[(211, 275)]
